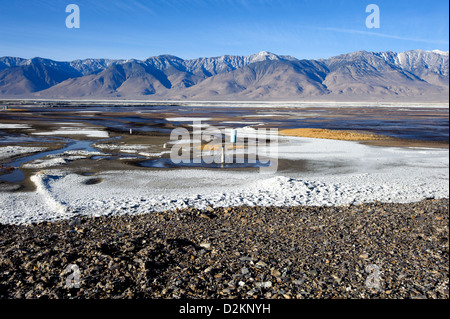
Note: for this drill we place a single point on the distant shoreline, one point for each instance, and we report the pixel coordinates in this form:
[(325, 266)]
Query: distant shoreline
[(293, 104)]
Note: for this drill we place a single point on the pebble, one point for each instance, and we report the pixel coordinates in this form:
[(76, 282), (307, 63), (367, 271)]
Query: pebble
[(298, 282), (275, 273), (261, 264), (265, 285)]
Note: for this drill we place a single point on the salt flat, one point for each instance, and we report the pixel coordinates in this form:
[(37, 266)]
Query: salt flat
[(91, 132), (340, 172), (11, 151)]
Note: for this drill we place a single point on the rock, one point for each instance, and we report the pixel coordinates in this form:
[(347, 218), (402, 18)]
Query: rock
[(207, 270), (75, 222), (226, 291), (338, 280), (275, 273), (312, 272), (266, 284), (298, 282), (244, 271)]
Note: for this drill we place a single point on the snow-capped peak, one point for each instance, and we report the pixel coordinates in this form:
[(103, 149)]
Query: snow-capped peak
[(440, 52), (263, 56)]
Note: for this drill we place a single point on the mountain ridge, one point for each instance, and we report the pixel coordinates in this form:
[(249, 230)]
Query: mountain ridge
[(360, 75)]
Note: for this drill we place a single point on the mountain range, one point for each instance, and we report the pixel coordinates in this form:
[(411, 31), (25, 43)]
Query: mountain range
[(359, 76)]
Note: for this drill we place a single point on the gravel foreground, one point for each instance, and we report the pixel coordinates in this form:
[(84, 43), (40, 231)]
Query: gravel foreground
[(375, 250)]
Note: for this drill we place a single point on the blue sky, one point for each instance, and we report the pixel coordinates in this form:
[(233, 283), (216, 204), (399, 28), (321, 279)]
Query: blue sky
[(138, 29)]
